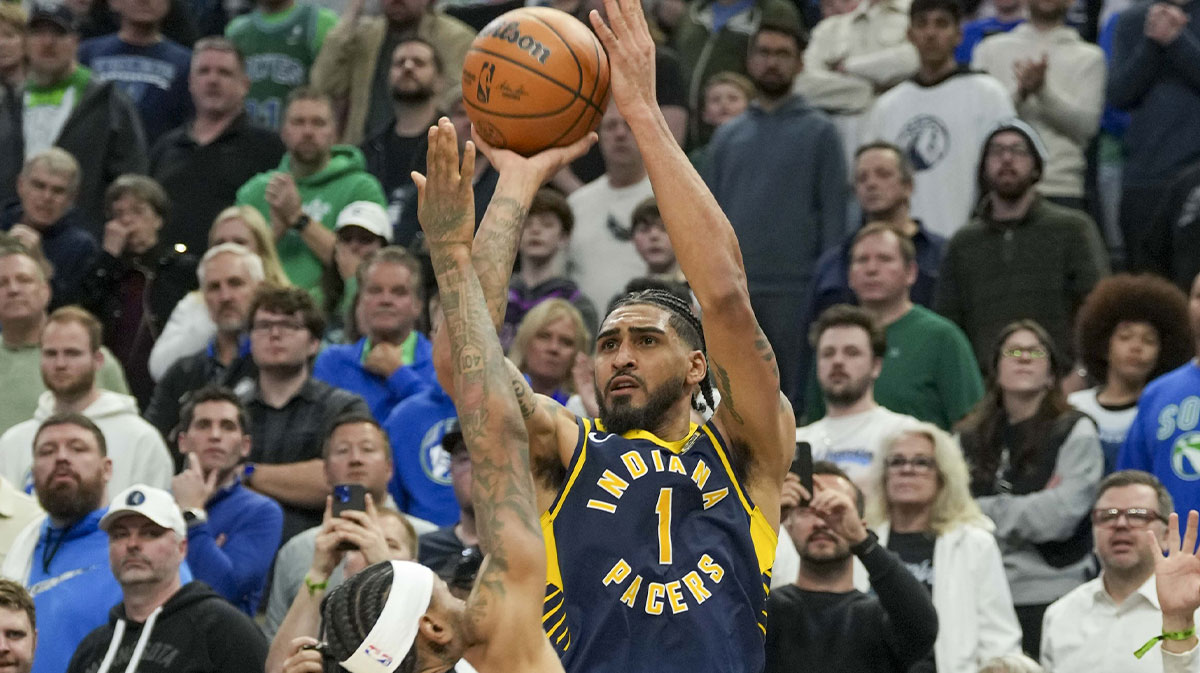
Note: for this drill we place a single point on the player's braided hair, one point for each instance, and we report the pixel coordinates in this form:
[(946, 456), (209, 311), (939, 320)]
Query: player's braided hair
[(350, 611), (684, 322)]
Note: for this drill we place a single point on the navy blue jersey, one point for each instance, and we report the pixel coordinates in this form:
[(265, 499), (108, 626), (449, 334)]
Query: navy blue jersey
[(657, 559)]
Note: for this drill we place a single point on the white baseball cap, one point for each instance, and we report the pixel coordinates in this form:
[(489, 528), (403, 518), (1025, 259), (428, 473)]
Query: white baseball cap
[(368, 215), (153, 503)]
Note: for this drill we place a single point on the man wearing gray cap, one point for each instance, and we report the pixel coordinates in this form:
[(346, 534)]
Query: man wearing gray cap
[(162, 623)]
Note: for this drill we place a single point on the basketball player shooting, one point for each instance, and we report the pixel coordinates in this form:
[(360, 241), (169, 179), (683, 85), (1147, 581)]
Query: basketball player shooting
[(416, 625), (660, 533)]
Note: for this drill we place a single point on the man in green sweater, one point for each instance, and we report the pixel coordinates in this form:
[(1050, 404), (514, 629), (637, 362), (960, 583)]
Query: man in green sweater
[(316, 179), (929, 371)]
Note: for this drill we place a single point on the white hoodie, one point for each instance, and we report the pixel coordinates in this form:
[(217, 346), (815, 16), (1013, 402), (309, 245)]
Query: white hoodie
[(138, 453)]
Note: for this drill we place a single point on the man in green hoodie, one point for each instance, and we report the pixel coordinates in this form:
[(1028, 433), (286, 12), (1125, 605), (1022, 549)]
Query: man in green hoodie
[(316, 179)]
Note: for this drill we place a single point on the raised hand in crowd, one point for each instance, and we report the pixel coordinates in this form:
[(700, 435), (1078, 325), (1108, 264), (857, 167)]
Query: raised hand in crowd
[(1164, 22), (836, 508), (27, 236), (284, 200), (1177, 576), (583, 376), (384, 359), (358, 529), (191, 488), (116, 237), (1031, 75)]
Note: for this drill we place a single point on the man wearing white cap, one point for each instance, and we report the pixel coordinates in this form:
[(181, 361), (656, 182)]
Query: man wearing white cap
[(421, 625), (393, 361), (362, 228), (160, 624)]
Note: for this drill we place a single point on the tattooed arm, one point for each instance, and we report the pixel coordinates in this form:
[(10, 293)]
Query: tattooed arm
[(511, 581), (752, 413), (551, 427)]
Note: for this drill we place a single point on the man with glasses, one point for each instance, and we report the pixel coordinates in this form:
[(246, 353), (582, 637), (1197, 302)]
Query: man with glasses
[(1096, 627), (289, 410), (1021, 257)]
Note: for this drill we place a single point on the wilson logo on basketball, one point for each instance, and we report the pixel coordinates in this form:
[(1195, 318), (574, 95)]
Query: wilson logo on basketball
[(483, 90), (511, 33)]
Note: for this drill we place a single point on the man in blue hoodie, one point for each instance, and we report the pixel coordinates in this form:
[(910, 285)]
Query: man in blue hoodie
[(62, 558), (779, 173), (314, 182), (393, 361)]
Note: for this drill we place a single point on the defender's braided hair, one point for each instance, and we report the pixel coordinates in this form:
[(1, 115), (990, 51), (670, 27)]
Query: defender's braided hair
[(684, 322), (350, 611)]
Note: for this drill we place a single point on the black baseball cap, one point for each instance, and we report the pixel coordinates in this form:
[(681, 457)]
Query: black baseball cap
[(60, 15)]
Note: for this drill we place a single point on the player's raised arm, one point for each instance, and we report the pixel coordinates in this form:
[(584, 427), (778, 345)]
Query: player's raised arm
[(512, 579), (742, 363)]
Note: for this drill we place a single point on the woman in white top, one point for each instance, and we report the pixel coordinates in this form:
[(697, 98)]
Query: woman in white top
[(189, 328), (921, 509), (1130, 329)]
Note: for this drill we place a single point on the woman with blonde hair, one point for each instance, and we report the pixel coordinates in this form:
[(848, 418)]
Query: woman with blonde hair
[(921, 509), (190, 328), (549, 339)]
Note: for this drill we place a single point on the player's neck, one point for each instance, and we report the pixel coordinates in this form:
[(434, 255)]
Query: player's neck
[(139, 34), (625, 175), (1012, 209), (141, 600), (836, 577), (909, 518), (22, 331), (414, 118), (535, 271), (933, 72), (303, 169), (209, 125), (888, 312), (1022, 406), (1119, 391), (863, 404), (1120, 584), (228, 346)]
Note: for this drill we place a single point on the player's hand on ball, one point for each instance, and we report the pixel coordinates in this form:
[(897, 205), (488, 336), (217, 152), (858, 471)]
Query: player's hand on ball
[(626, 38), (445, 197), (540, 167)]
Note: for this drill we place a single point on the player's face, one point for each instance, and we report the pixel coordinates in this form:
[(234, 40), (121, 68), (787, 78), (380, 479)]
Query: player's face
[(140, 220), (653, 246), (51, 50), (935, 34), (216, 436), (878, 272), (389, 300), (1133, 351), (846, 366), (911, 472), (12, 47), (413, 74), (45, 195), (142, 552), (228, 292), (551, 351), (879, 185), (358, 453), (1009, 165), (643, 368), (280, 340), (17, 641), (542, 237), (216, 82), (69, 472), (142, 12), (1117, 543), (1024, 364), (69, 364), (24, 292), (233, 230), (723, 102), (308, 130), (813, 540), (616, 140), (773, 63)]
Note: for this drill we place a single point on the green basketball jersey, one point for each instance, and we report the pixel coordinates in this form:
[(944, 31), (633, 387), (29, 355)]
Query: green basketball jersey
[(279, 50)]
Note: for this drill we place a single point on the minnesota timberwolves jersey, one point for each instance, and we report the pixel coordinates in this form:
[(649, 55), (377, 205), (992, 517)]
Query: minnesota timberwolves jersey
[(657, 559)]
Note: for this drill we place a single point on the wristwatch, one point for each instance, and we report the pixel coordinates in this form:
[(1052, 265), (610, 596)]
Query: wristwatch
[(301, 222), (194, 516), (247, 473)]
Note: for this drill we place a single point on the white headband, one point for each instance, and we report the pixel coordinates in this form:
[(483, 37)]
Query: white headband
[(396, 629)]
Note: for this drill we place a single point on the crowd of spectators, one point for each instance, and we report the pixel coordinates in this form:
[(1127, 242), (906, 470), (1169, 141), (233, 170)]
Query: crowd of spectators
[(969, 232)]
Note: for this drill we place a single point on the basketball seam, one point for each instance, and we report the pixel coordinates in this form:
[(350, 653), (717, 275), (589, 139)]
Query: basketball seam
[(588, 104), (530, 70)]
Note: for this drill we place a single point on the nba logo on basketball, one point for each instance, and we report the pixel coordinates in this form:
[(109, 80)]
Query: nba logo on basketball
[(483, 91)]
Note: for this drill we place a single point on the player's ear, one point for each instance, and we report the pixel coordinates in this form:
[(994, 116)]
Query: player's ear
[(435, 628), (697, 368)]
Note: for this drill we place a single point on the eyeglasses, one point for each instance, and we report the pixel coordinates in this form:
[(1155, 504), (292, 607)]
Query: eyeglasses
[(268, 326), (918, 463), (1137, 517), (1032, 353)]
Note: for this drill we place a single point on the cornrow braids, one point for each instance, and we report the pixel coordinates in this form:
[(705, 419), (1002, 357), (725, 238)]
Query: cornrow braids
[(685, 323), (350, 611)]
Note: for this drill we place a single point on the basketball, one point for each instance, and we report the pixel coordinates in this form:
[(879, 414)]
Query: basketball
[(535, 78)]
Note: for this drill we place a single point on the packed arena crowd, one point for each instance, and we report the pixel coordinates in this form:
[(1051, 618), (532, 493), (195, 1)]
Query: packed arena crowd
[(862, 336)]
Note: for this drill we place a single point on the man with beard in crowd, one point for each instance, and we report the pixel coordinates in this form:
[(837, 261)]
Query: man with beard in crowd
[(62, 558), (784, 218)]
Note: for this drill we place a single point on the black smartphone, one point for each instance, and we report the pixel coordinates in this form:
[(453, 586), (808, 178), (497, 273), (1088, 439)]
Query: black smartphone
[(802, 466), (349, 497)]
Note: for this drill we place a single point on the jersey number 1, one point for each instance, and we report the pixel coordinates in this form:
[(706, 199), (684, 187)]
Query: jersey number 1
[(663, 510)]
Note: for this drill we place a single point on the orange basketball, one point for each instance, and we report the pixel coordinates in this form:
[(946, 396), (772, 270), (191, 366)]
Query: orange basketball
[(535, 78)]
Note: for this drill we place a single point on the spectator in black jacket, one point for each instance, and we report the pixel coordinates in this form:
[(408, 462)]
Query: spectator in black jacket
[(220, 144), (44, 219), (1171, 246), (229, 276), (821, 623), (136, 280)]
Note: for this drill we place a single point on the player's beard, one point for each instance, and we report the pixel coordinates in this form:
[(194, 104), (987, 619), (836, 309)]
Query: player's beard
[(849, 393), (624, 416), (75, 502), (73, 388), (420, 94)]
